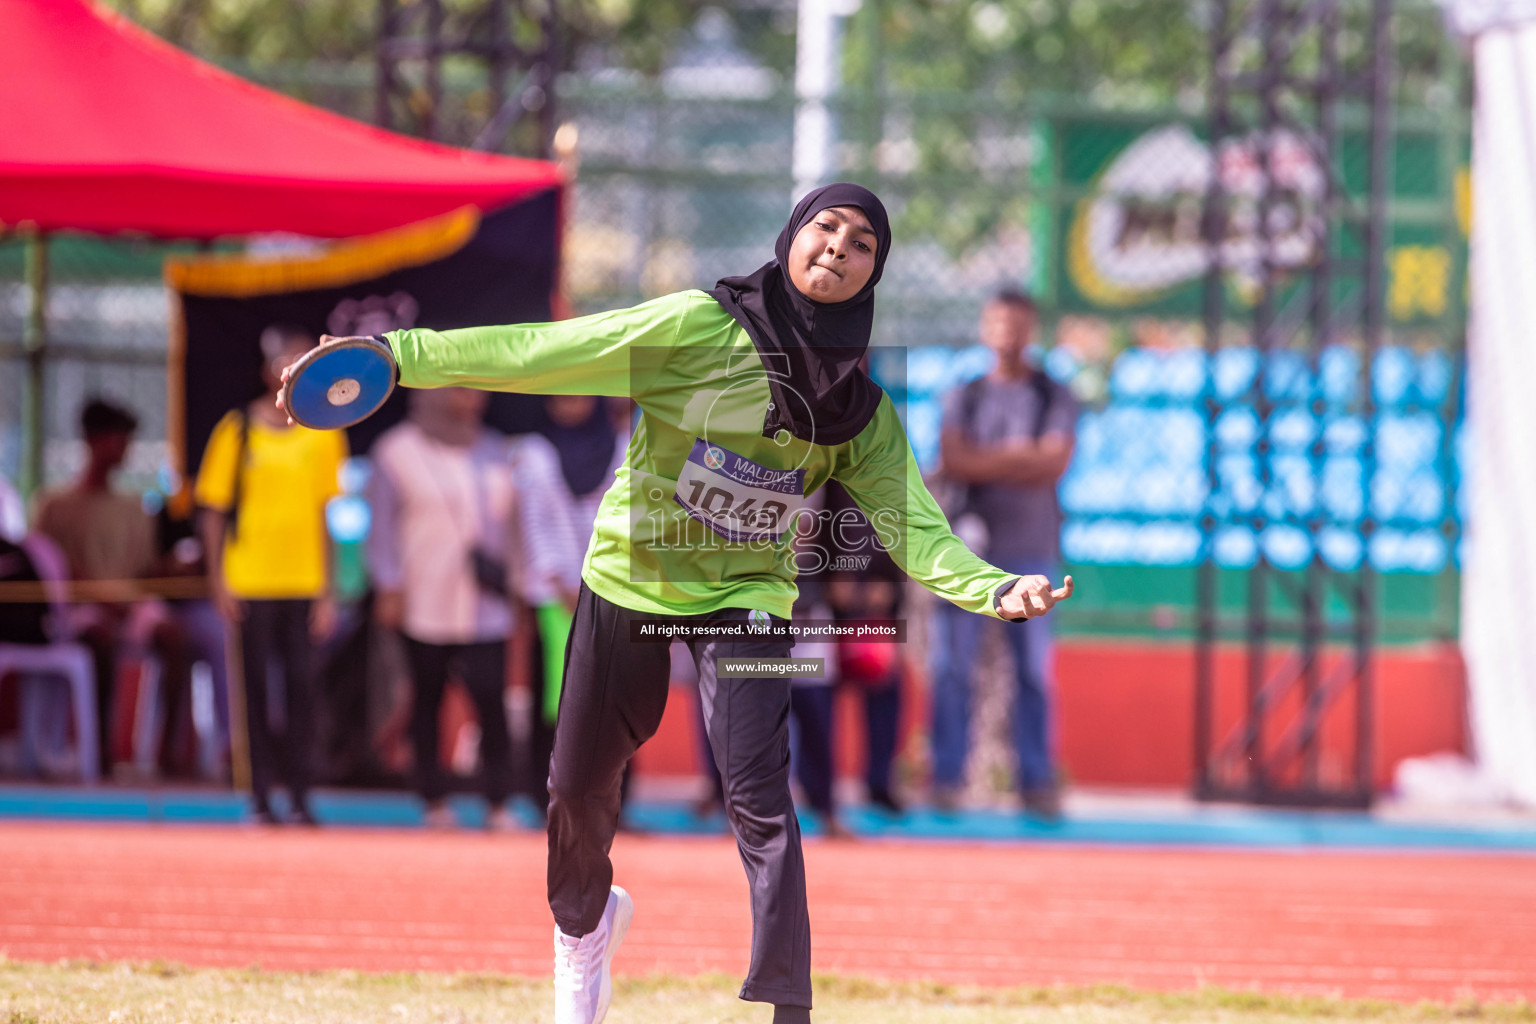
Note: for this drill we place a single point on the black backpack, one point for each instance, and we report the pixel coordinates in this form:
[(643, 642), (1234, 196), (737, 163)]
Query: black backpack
[(22, 621)]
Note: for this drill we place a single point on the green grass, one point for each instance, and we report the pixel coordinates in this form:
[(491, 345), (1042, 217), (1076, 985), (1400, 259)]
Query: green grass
[(160, 993)]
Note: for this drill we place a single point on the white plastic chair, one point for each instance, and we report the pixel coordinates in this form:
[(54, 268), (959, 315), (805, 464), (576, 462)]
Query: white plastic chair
[(72, 663), (63, 658)]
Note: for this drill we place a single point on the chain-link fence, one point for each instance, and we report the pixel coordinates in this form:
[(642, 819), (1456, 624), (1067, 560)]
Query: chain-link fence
[(1099, 215), (686, 177), (107, 320)]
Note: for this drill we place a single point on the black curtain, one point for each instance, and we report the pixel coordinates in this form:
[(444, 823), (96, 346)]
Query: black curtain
[(504, 274)]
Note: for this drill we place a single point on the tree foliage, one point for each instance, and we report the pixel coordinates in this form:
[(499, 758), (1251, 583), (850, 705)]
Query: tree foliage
[(1151, 50), (635, 33), (938, 91), (1108, 52)]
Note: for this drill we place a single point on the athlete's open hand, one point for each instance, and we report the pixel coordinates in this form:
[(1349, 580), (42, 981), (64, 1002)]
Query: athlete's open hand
[(282, 392), (1033, 596)]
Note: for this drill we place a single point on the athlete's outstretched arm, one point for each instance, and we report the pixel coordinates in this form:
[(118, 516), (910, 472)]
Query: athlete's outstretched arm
[(589, 355), (882, 476)]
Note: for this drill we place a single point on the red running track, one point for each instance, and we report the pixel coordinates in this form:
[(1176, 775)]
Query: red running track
[(1399, 926)]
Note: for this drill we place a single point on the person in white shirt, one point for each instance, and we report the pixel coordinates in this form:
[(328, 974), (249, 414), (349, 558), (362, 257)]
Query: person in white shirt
[(580, 446), (454, 540)]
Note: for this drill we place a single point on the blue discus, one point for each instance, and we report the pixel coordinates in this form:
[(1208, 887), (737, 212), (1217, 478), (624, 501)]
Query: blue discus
[(339, 384)]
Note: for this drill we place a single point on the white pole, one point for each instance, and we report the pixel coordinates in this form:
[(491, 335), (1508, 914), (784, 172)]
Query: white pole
[(818, 67), (1499, 571)]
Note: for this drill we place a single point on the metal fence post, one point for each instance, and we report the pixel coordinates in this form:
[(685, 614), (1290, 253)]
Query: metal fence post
[(34, 341)]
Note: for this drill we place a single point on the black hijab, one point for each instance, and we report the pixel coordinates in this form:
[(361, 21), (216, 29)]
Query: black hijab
[(810, 349), (585, 448)]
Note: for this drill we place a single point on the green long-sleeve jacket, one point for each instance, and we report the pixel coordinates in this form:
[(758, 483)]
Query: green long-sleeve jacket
[(703, 513)]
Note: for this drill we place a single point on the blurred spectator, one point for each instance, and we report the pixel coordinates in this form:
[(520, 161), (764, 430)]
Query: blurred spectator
[(28, 561), (181, 558), (365, 682), (847, 577), (263, 487), (36, 618), (866, 585), (1006, 439), (455, 535), (811, 703), (13, 514), (588, 436), (108, 539), (24, 618)]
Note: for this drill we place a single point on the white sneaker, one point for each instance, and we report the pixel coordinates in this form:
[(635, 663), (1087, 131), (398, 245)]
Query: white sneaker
[(583, 986)]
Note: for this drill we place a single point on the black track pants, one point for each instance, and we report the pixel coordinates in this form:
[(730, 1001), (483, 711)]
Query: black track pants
[(279, 630), (611, 701)]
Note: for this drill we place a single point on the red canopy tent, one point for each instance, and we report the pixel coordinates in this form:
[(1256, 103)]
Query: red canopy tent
[(105, 128)]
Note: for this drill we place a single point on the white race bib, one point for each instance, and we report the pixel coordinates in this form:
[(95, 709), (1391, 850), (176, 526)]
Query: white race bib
[(739, 499)]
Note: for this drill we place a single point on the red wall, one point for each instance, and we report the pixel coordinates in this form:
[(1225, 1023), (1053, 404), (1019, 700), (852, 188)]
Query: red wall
[(1126, 713)]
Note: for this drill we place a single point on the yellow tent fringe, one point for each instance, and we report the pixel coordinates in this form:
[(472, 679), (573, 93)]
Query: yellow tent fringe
[(342, 263)]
